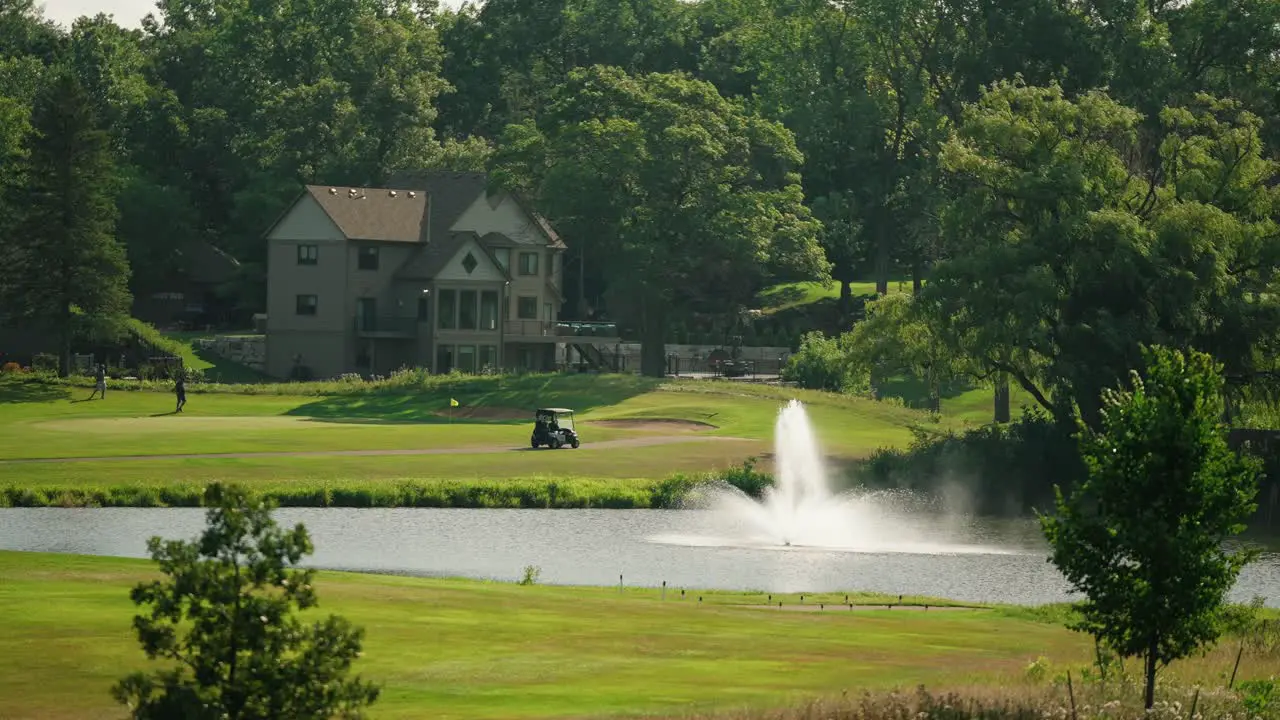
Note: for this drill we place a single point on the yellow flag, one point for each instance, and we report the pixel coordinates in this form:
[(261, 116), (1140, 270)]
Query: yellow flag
[(453, 403)]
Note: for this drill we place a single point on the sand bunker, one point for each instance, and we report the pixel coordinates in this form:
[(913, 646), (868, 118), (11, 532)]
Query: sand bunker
[(665, 425)]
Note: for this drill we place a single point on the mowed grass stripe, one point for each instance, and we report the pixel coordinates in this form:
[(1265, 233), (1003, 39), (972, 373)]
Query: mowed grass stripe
[(452, 648)]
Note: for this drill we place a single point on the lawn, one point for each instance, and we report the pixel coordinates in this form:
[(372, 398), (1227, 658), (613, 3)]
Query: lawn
[(788, 296), (633, 430), (470, 649)]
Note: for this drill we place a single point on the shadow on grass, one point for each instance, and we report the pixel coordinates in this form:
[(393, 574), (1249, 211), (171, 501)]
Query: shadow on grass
[(915, 393), (27, 391), (490, 400), (223, 370)]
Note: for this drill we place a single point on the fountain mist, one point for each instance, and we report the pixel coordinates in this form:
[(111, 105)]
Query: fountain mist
[(801, 511)]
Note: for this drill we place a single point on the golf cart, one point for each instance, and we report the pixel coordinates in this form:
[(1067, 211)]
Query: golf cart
[(553, 427)]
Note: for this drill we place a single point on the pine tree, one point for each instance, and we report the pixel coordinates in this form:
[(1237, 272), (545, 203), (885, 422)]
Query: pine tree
[(68, 273)]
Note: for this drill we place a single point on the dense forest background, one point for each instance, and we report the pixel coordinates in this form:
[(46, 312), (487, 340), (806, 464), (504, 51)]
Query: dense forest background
[(1059, 181)]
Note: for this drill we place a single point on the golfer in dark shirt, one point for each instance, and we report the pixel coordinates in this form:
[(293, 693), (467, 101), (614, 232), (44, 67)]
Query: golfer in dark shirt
[(180, 389)]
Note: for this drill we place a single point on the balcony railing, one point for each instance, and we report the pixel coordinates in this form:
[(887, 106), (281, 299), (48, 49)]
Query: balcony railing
[(386, 325), (561, 328)]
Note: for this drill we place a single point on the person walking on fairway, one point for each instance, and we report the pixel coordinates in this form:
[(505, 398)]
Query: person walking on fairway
[(180, 389), (100, 388)]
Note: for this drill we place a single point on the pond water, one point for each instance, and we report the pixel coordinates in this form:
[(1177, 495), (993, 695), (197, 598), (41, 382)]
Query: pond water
[(994, 561)]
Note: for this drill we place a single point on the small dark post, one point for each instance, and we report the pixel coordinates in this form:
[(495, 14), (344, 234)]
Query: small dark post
[(846, 599), (779, 604), (619, 582), (1071, 692), (801, 599), (770, 601), (664, 590), (821, 606), (1232, 682), (1194, 701), (681, 593), (699, 598)]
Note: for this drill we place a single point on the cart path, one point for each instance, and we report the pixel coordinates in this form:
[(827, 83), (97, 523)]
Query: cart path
[(475, 450)]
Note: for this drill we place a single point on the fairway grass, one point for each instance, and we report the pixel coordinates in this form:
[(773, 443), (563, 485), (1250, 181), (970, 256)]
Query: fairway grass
[(636, 434), (470, 649)]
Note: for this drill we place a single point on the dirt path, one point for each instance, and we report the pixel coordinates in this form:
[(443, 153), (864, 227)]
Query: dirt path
[(477, 450)]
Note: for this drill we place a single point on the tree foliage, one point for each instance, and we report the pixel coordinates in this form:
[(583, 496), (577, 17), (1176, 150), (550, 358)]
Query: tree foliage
[(64, 268), (226, 616), (687, 200), (1067, 250), (1143, 536)]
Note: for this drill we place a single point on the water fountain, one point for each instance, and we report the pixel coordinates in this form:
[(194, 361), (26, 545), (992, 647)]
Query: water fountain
[(800, 511)]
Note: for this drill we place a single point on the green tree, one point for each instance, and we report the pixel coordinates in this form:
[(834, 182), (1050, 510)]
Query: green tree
[(67, 271), (897, 338), (1143, 536), (687, 201), (225, 614), (1066, 252)]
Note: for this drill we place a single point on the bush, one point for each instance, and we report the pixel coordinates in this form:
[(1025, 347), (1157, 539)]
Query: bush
[(1008, 468), (10, 368), (746, 478), (44, 363), (822, 363)]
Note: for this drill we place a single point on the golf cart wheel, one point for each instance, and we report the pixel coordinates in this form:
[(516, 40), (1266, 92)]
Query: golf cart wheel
[(576, 443)]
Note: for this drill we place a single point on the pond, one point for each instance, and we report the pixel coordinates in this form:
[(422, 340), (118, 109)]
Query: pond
[(997, 561)]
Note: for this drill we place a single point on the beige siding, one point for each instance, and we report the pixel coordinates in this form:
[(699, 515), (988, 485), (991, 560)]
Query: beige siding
[(324, 352), (306, 224), (306, 221), (484, 271), (393, 299), (499, 214)]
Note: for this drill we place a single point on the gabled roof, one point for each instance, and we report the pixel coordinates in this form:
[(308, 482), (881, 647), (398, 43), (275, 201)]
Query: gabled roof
[(452, 193), (374, 213), (428, 262)]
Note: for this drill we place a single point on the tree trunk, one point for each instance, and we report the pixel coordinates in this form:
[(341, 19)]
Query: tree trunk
[(917, 276), (1152, 649), (882, 256), (1002, 411), (64, 336), (653, 341), (846, 297)]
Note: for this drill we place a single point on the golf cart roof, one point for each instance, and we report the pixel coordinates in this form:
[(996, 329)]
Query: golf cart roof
[(557, 411)]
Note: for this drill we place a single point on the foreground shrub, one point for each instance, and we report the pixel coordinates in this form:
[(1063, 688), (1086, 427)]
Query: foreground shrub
[(1082, 702), (225, 616)]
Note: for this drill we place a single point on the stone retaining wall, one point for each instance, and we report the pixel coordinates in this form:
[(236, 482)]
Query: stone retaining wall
[(248, 350)]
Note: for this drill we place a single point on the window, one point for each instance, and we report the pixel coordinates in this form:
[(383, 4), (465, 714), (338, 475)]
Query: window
[(503, 256), (366, 314), (488, 356), (467, 358), (424, 308), (469, 263), (307, 304), (308, 254), (368, 257), (528, 263), (447, 309), (489, 310), (444, 358), (527, 308), (467, 310)]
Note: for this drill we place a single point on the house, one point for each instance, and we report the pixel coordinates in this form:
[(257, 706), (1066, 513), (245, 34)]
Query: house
[(434, 271), (189, 295)]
